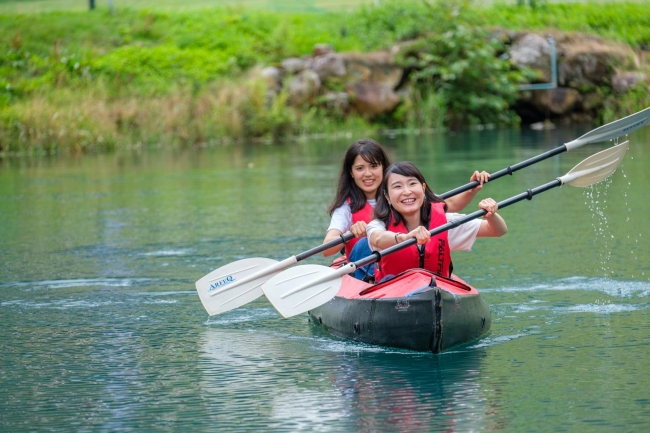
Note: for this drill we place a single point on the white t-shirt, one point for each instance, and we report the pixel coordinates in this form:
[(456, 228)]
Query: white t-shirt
[(342, 217), (461, 238)]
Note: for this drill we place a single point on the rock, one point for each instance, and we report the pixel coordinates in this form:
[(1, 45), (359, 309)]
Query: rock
[(329, 65), (591, 101), (588, 61), (540, 126), (303, 87), (579, 118), (377, 67), (623, 81), (337, 102), (372, 99), (293, 65), (272, 76), (322, 49), (559, 101), (532, 51)]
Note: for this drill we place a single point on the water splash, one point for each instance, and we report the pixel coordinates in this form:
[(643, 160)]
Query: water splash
[(596, 201)]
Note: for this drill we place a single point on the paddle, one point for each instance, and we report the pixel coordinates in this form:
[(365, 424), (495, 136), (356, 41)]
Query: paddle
[(303, 288), (602, 133), (217, 289)]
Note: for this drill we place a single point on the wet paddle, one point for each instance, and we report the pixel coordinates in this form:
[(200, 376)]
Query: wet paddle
[(238, 283), (602, 133), (217, 289), (302, 288)]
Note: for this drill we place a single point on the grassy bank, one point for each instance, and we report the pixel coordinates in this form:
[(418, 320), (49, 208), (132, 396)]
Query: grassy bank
[(83, 80)]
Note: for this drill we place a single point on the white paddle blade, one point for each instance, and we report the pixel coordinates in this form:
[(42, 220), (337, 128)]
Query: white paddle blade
[(302, 288), (597, 167), (612, 130), (231, 286)]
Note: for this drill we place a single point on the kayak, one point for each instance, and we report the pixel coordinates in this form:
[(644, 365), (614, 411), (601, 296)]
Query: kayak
[(417, 310)]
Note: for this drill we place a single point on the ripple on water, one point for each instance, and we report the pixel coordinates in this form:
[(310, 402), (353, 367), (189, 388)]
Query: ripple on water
[(77, 282), (494, 341), (241, 316), (180, 252), (599, 308), (60, 304), (626, 289)]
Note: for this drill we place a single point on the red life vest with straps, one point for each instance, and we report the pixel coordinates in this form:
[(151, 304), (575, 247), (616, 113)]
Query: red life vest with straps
[(436, 256), (365, 214)]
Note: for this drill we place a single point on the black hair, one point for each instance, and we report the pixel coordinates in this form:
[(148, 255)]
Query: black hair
[(371, 152), (386, 213)]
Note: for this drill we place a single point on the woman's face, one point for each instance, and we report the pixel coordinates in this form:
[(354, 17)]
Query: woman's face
[(405, 194), (367, 176)]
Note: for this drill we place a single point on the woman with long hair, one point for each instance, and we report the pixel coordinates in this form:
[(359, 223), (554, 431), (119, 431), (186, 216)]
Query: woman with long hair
[(407, 208), (362, 172)]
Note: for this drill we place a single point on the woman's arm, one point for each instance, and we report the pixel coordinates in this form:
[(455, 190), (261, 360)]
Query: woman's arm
[(381, 239), (493, 225), (358, 229), (339, 224), (460, 201), (330, 236)]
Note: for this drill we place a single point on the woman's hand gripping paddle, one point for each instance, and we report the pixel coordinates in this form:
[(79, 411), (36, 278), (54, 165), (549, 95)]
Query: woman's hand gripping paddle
[(303, 288)]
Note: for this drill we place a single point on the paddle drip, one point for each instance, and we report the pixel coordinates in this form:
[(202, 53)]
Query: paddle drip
[(628, 217), (597, 203), (618, 255)]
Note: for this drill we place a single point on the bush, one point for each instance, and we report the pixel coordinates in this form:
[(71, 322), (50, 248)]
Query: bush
[(462, 68)]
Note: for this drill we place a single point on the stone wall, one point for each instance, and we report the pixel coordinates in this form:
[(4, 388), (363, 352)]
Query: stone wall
[(371, 84)]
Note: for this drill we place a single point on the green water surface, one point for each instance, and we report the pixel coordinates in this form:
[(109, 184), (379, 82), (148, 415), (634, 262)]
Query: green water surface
[(101, 328)]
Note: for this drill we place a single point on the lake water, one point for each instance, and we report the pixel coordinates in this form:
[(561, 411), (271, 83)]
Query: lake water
[(102, 330)]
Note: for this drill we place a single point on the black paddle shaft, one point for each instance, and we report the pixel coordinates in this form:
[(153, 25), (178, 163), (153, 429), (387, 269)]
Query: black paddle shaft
[(343, 239), (508, 170), (527, 195)]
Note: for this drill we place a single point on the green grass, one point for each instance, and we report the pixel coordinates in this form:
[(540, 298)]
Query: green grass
[(39, 6), (92, 79)]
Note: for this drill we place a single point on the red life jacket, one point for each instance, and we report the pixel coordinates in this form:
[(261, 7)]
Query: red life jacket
[(366, 214), (437, 256)]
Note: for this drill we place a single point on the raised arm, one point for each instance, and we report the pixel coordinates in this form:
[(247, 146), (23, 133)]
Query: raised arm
[(493, 225), (458, 202)]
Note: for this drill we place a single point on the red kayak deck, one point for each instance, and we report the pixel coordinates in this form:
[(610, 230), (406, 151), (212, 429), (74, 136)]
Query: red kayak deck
[(402, 285)]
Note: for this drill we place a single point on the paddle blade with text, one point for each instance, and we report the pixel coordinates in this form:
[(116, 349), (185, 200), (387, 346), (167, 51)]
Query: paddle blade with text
[(219, 290)]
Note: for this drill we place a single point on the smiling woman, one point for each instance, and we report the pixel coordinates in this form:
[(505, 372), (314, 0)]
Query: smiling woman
[(407, 209), (352, 208)]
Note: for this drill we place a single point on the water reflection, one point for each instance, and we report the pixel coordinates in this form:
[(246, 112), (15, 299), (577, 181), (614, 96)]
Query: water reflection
[(402, 392), (320, 383)]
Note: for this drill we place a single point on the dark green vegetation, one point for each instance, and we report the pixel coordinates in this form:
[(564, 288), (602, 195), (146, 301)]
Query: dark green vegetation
[(92, 80)]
